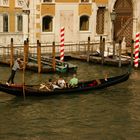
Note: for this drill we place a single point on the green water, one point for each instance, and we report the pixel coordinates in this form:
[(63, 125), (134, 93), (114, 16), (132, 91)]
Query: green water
[(108, 114)]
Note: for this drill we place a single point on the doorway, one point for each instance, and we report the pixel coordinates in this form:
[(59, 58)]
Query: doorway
[(123, 26)]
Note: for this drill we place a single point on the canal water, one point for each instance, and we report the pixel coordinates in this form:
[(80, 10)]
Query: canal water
[(108, 114)]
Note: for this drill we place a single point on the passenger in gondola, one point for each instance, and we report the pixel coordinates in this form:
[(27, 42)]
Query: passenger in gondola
[(73, 81), (18, 64), (44, 86), (53, 85), (61, 82)]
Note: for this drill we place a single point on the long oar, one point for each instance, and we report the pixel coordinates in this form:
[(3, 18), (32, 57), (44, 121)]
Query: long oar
[(23, 79), (24, 64)]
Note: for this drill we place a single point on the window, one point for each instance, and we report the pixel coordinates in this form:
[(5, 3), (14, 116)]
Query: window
[(5, 23), (47, 24), (100, 20), (19, 3), (84, 23), (5, 2), (84, 0), (47, 0), (19, 23)]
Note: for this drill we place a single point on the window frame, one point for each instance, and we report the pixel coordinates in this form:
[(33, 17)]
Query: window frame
[(4, 24), (84, 30), (85, 1), (17, 23), (2, 3), (48, 1), (16, 3)]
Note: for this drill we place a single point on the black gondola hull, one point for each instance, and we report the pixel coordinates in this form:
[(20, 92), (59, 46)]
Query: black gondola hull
[(31, 90)]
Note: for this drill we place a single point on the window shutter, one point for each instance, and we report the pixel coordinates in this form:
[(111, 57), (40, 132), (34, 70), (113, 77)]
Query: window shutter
[(100, 20)]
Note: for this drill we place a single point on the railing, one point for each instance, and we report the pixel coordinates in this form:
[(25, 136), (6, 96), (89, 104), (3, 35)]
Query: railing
[(9, 53), (73, 48)]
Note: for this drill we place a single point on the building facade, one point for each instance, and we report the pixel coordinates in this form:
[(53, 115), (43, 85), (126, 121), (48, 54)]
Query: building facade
[(43, 19)]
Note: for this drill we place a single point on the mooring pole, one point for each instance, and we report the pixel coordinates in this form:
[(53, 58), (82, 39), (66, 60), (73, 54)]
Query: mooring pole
[(11, 54), (132, 50), (103, 49), (25, 53), (113, 49), (39, 56), (120, 48), (24, 64), (88, 50), (53, 56), (27, 50), (100, 47)]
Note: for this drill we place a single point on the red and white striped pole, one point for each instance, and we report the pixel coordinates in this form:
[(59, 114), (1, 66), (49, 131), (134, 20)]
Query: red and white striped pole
[(62, 44), (136, 60)]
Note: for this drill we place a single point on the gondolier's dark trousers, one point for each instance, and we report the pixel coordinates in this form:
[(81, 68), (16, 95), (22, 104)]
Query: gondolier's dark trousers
[(11, 78)]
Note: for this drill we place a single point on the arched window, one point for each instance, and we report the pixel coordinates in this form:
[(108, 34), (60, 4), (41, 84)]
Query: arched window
[(47, 24), (84, 23), (84, 0), (5, 2), (5, 23), (47, 0)]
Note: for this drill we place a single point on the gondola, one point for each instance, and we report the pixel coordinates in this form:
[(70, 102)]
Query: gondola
[(34, 90)]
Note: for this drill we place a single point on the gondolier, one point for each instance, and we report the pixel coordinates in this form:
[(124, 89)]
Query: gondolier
[(17, 65)]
